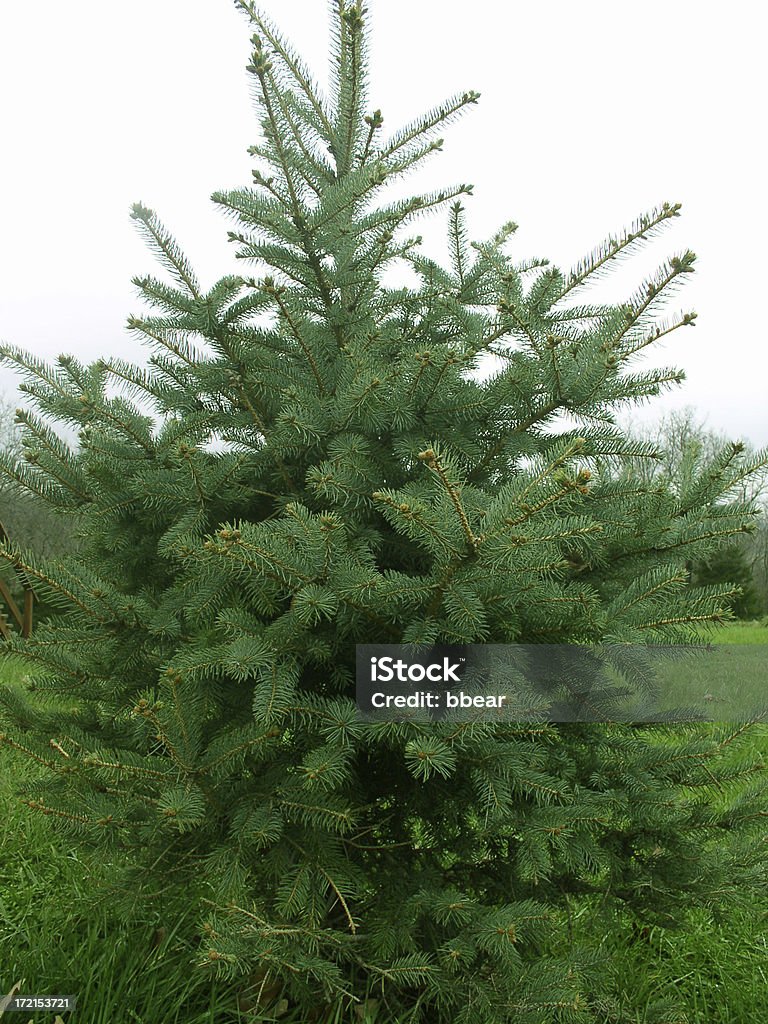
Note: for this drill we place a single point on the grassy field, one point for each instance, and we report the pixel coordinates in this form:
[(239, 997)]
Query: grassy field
[(56, 935), (741, 633), (726, 681)]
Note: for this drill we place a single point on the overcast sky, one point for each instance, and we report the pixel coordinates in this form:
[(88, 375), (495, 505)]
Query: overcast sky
[(591, 113)]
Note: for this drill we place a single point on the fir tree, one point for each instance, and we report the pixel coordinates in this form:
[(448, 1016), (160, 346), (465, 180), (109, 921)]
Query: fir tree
[(731, 563), (308, 460)]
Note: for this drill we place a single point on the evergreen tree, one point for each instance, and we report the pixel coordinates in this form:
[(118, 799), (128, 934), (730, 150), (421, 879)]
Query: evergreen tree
[(730, 563), (319, 465)]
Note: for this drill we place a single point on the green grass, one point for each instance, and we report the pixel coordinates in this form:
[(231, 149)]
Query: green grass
[(713, 972), (725, 679), (57, 935), (742, 633)]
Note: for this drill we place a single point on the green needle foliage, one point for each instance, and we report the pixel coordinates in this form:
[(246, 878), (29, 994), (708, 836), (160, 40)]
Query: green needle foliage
[(309, 460)]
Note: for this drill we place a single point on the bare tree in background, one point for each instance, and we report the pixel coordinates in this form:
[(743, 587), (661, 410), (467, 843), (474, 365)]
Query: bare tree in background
[(685, 440), (8, 435)]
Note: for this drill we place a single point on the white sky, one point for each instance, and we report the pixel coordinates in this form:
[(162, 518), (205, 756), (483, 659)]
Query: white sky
[(591, 113)]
